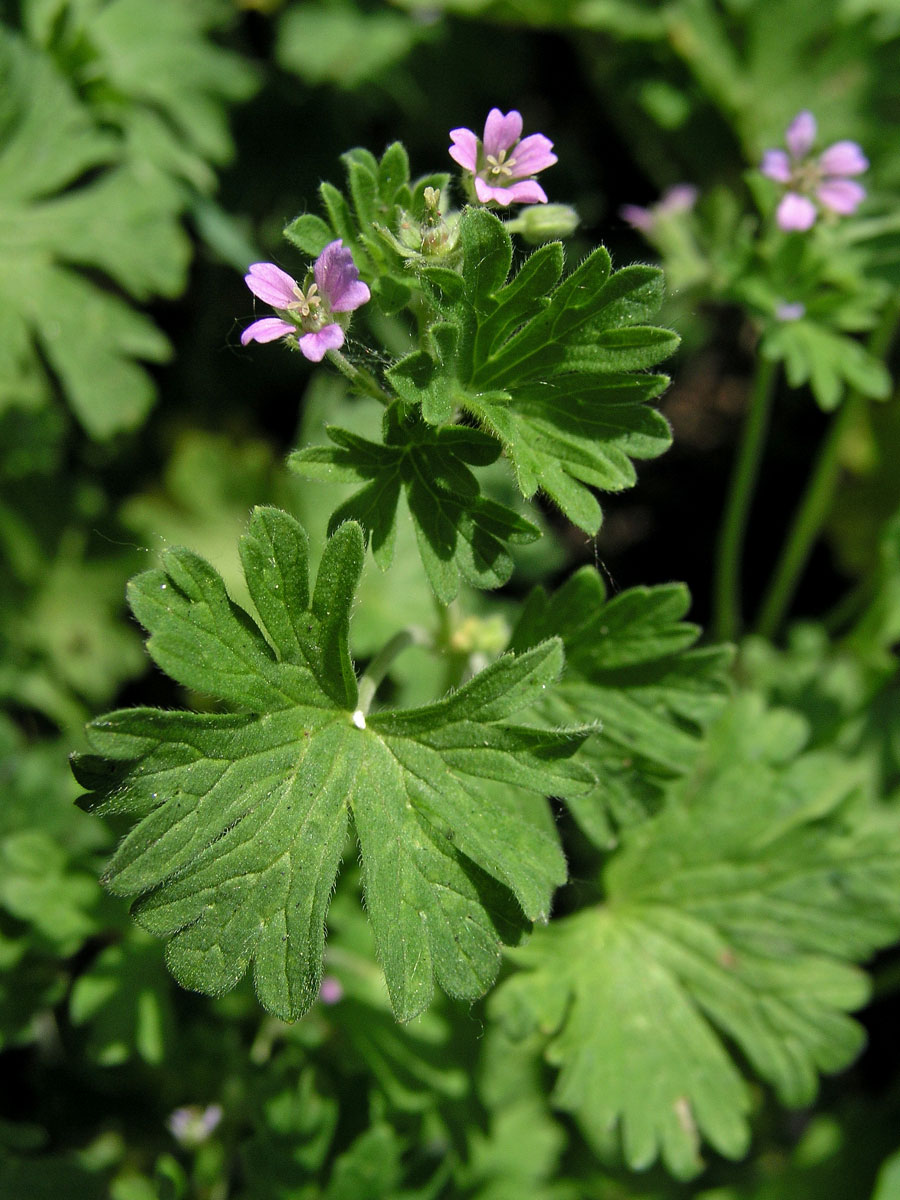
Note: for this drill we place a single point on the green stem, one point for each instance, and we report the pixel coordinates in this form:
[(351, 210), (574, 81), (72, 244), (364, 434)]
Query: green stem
[(727, 586), (359, 378), (381, 664), (815, 504)]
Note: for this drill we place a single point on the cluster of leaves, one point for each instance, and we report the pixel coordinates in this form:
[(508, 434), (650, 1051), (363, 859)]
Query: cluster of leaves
[(128, 125), (733, 842), (551, 370)]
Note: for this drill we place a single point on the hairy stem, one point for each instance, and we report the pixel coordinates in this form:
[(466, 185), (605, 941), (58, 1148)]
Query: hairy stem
[(363, 380), (729, 550), (815, 504), (381, 664)]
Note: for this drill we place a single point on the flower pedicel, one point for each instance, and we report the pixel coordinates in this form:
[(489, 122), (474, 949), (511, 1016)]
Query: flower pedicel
[(306, 315)]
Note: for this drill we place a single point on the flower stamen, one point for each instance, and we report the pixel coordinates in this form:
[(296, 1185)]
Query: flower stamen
[(499, 165), (304, 304)]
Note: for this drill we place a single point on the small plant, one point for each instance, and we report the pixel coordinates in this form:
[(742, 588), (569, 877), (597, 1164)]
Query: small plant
[(740, 880)]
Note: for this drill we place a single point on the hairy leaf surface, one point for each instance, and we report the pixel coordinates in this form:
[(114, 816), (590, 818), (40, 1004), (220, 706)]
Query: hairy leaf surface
[(548, 366), (631, 664), (244, 813), (732, 918), (460, 533)]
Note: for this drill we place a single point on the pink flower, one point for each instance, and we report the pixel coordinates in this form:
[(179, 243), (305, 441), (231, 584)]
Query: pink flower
[(330, 990), (504, 163), (677, 199), (813, 183), (790, 310), (335, 288), (192, 1124)]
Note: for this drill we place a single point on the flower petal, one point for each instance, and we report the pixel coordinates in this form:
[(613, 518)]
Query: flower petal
[(801, 133), (501, 132), (338, 278), (790, 310), (776, 165), (843, 158), (531, 155), (796, 213), (841, 195), (464, 149), (527, 191), (354, 294), (680, 197), (271, 284), (266, 330), (486, 193), (637, 217), (314, 345)]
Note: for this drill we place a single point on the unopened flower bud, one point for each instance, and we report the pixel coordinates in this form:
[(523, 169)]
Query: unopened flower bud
[(432, 198), (544, 222)]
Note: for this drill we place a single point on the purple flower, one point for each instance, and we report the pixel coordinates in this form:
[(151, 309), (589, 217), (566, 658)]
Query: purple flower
[(192, 1124), (813, 183), (677, 199), (335, 287), (330, 990), (790, 310), (503, 163)]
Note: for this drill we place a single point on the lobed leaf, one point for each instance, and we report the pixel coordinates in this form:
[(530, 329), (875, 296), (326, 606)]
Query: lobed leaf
[(732, 918), (461, 534), (572, 414), (243, 814), (632, 666)]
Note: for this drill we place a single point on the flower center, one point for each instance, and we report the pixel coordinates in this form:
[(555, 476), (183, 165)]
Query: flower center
[(806, 176), (306, 304), (498, 165)]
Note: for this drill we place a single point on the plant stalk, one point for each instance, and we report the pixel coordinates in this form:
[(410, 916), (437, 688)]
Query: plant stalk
[(381, 664), (815, 504), (363, 380), (727, 617)]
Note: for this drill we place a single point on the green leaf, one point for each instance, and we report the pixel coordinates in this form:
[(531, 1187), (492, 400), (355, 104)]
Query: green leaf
[(362, 177), (570, 432), (123, 999), (461, 534), (828, 361), (546, 366), (243, 814), (343, 46), (308, 233), (631, 664), (119, 223), (427, 377), (164, 83), (38, 886), (732, 919), (487, 257), (393, 172)]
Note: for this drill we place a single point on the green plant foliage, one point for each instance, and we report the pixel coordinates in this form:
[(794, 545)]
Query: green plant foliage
[(49, 906), (162, 82), (59, 657), (446, 875), (123, 1000), (827, 361), (460, 533), (381, 199), (90, 338), (715, 927), (631, 664), (344, 45), (572, 411)]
